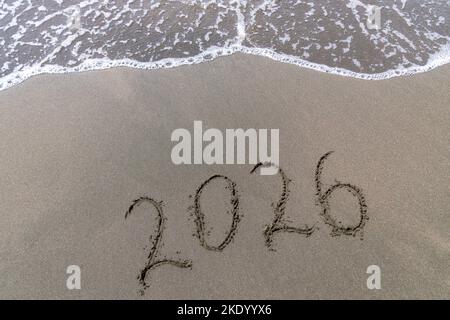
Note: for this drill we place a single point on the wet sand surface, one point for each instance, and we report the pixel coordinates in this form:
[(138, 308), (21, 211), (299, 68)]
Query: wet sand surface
[(78, 149)]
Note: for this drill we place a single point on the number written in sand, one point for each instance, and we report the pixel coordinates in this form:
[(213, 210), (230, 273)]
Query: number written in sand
[(323, 196), (200, 216), (278, 223), (152, 259)]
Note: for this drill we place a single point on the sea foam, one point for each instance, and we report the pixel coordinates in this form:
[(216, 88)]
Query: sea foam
[(59, 36)]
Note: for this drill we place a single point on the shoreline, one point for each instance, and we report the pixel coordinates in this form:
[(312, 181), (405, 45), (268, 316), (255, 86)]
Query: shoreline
[(17, 78)]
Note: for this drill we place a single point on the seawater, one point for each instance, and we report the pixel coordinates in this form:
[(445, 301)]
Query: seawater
[(58, 36)]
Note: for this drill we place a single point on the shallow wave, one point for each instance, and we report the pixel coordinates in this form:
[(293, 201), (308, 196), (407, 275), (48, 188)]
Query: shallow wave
[(56, 36)]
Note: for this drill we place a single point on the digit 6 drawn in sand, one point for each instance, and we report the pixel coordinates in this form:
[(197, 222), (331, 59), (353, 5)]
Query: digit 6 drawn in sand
[(156, 243), (322, 198), (278, 224), (200, 217)]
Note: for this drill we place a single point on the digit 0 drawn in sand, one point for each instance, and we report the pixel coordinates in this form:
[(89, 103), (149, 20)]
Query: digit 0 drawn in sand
[(200, 216), (322, 199), (279, 223), (156, 243)]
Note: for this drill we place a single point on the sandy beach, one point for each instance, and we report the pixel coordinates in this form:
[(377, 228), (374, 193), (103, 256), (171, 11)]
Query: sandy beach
[(79, 148)]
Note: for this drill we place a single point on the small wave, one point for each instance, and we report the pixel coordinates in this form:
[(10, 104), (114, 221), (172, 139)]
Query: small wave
[(59, 36), (209, 55)]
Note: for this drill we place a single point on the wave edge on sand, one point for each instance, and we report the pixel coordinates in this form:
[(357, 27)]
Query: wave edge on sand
[(439, 59)]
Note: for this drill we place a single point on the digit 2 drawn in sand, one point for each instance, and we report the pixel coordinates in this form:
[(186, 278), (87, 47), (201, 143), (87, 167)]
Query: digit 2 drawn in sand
[(278, 223), (322, 198), (156, 243), (200, 216)]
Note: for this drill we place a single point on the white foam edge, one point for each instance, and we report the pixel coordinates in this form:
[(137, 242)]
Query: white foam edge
[(440, 58)]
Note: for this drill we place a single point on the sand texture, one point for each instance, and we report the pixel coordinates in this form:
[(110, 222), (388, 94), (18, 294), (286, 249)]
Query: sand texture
[(78, 149)]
